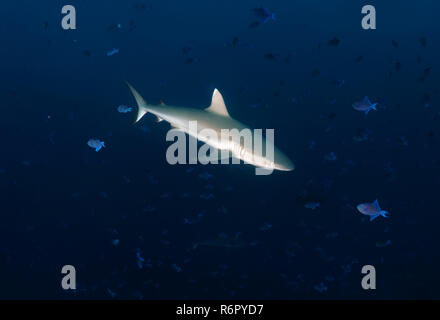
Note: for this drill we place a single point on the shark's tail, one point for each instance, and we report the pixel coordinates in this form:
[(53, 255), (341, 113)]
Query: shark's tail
[(142, 105)]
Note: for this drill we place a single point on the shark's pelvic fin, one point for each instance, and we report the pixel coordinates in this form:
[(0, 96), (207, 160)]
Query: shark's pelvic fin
[(142, 105), (217, 104)]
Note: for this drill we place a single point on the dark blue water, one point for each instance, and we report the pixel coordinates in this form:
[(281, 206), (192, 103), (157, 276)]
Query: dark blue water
[(61, 203)]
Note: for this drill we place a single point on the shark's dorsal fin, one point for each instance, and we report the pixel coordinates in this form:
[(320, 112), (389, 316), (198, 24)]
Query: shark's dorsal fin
[(217, 104)]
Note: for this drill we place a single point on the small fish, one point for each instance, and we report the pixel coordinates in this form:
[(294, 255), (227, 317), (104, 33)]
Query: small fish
[(426, 72), (186, 50), (205, 196), (234, 42), (96, 144), (112, 52), (321, 287), (176, 267), (423, 42), (104, 194), (395, 44), (333, 42), (222, 210), (332, 235), (372, 209), (111, 293), (338, 83), (362, 136), (139, 260), (87, 53), (205, 176), (254, 24), (142, 6), (330, 157), (383, 244), (426, 100), (315, 73), (114, 27), (270, 56), (403, 141), (131, 26), (149, 209), (223, 241), (359, 59), (266, 227), (312, 205), (124, 109), (263, 14), (364, 105)]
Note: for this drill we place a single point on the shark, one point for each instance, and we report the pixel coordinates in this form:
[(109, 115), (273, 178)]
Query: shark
[(215, 117)]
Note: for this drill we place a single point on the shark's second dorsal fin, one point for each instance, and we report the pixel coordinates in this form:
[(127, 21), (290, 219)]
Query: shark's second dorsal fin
[(217, 104)]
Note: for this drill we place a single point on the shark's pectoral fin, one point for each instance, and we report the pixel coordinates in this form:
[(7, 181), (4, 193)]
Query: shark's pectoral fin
[(159, 119), (218, 104)]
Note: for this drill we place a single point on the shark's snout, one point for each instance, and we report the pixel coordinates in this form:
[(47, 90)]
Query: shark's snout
[(285, 166), (283, 163)]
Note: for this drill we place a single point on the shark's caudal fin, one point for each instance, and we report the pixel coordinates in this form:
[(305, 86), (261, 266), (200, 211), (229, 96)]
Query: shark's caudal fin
[(218, 104), (142, 105)]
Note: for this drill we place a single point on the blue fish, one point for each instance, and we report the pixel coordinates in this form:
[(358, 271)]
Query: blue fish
[(112, 52), (263, 14), (95, 144), (312, 205), (330, 157), (372, 209), (364, 105), (124, 109)]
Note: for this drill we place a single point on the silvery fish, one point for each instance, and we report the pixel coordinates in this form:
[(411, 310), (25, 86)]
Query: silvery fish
[(372, 210)]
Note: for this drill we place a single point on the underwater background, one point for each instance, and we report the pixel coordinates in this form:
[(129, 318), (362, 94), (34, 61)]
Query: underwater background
[(135, 227)]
